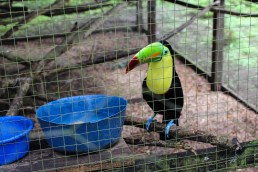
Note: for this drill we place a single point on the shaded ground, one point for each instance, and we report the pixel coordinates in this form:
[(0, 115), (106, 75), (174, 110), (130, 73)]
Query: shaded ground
[(206, 110), (215, 112)]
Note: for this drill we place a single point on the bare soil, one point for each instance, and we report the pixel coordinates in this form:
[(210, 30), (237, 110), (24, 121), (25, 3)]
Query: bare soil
[(215, 112)]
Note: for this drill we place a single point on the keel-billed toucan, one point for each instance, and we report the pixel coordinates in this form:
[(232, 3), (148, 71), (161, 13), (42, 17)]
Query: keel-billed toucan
[(161, 88)]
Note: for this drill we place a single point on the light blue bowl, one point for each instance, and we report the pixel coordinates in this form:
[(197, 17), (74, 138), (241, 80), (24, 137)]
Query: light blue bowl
[(14, 138), (83, 123)]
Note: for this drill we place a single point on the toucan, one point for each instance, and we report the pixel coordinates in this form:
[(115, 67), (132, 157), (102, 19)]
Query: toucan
[(161, 88)]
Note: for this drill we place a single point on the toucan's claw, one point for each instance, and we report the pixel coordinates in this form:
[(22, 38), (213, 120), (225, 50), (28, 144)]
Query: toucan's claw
[(170, 124), (150, 121)]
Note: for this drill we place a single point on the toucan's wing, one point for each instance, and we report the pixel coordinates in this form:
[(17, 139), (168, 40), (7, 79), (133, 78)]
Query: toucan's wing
[(161, 103)]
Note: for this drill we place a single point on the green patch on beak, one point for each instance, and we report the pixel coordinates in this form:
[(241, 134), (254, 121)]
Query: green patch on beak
[(151, 53)]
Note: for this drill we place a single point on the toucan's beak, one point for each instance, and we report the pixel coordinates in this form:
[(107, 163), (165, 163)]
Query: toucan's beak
[(150, 53), (132, 64)]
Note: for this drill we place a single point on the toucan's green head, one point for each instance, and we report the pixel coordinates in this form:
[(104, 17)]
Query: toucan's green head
[(152, 53)]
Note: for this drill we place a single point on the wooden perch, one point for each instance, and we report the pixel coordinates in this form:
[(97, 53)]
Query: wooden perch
[(189, 22), (185, 133), (214, 9), (160, 143)]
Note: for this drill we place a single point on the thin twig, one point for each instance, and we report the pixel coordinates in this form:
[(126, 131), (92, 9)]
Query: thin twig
[(189, 22)]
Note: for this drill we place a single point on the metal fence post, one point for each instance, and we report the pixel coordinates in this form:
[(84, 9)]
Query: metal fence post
[(217, 49), (151, 21), (139, 16)]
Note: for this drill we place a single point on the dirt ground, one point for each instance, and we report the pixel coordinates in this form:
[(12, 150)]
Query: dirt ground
[(215, 112)]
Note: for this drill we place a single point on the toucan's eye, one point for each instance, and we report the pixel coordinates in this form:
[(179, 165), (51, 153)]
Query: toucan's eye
[(166, 51)]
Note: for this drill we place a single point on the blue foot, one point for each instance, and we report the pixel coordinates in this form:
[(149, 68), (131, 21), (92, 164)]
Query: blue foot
[(170, 124), (150, 121)]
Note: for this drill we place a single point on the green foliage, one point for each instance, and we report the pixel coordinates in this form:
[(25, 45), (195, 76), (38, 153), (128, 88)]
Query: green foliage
[(235, 5), (3, 28), (34, 4), (42, 25), (242, 47), (249, 155), (241, 34)]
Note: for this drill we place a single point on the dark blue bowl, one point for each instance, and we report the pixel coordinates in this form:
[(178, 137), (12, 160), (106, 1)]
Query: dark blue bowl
[(14, 138), (83, 123)]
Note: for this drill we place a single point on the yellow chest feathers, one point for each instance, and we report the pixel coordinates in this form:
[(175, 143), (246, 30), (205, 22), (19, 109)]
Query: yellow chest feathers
[(160, 75)]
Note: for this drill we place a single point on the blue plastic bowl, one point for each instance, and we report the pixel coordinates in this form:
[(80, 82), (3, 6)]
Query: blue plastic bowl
[(83, 123), (14, 138)]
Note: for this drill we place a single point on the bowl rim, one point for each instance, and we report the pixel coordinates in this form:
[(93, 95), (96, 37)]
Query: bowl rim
[(17, 118), (104, 95)]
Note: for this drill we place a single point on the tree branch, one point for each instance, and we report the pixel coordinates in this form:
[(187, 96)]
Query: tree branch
[(18, 99), (185, 133), (14, 58), (9, 8), (94, 59), (57, 51), (214, 9), (58, 35), (29, 17), (186, 24), (4, 102), (90, 27), (42, 97), (14, 0), (57, 11)]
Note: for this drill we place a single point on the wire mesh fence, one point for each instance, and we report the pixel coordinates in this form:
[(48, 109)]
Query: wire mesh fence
[(139, 85)]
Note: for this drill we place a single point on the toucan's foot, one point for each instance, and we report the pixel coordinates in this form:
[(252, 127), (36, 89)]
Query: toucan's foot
[(150, 121), (170, 124)]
